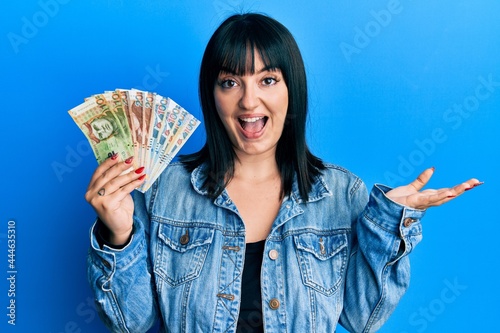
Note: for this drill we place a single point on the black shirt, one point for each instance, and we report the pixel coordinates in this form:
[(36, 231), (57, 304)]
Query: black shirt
[(250, 319)]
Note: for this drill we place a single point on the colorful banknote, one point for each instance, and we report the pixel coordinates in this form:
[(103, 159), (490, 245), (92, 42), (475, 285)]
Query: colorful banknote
[(130, 122)]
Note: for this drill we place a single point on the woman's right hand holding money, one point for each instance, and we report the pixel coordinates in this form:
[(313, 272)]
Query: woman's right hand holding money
[(109, 194)]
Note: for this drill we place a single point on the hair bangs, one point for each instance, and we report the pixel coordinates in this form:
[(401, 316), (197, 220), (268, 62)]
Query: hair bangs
[(237, 54)]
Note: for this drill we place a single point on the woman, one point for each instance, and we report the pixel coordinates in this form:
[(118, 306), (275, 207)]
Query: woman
[(252, 232)]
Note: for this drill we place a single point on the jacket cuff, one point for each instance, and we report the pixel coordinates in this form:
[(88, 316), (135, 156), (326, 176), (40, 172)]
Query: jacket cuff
[(108, 258), (397, 219), (101, 232)]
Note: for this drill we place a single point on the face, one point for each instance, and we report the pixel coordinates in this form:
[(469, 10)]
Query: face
[(252, 108), (102, 128)]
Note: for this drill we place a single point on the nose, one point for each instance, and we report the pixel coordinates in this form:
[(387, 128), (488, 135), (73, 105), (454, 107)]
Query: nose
[(249, 99)]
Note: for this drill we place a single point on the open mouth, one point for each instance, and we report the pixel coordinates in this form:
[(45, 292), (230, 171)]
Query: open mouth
[(253, 124)]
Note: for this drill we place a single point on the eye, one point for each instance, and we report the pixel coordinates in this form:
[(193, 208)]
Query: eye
[(269, 81), (227, 83)]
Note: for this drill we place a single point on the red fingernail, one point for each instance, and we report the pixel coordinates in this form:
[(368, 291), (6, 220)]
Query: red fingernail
[(452, 196), (142, 177), (473, 186), (114, 156), (433, 168), (140, 170), (129, 160)]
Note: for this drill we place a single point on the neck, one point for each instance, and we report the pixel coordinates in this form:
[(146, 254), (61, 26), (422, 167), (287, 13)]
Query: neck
[(256, 168)]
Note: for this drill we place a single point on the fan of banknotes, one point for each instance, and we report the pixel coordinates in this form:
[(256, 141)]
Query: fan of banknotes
[(150, 127)]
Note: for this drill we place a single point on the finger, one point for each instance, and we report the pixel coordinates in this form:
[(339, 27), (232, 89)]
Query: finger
[(466, 186), (121, 181), (440, 193), (442, 200), (473, 183), (109, 197), (107, 182), (110, 201), (125, 190), (441, 196), (422, 179), (108, 163), (455, 190), (104, 175), (429, 199)]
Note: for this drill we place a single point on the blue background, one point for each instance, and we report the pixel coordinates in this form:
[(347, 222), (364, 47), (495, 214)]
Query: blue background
[(386, 79)]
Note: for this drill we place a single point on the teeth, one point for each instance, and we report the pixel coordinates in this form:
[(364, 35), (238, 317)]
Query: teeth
[(251, 120)]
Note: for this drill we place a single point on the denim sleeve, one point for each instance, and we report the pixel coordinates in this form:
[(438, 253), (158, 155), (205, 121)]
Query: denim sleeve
[(379, 269), (121, 279)]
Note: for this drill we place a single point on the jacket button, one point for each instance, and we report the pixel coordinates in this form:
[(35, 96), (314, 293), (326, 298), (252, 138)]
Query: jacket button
[(274, 304), (184, 238), (273, 254), (408, 222), (106, 263)]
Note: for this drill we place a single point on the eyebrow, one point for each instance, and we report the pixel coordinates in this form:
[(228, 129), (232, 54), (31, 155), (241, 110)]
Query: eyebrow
[(263, 69)]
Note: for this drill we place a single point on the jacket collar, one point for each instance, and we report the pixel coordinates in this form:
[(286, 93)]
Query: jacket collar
[(319, 188)]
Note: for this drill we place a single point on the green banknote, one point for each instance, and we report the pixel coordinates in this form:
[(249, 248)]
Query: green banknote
[(103, 127)]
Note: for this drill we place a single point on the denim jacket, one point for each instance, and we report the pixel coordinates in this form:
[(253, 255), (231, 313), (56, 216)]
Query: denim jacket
[(339, 257)]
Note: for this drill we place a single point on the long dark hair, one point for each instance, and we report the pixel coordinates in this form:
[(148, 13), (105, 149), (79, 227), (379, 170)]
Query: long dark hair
[(228, 48)]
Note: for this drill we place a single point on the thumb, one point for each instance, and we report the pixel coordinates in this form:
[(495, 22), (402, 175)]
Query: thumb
[(422, 179)]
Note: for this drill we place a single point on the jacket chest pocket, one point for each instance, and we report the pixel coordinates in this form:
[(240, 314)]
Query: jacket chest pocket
[(181, 252), (322, 260)]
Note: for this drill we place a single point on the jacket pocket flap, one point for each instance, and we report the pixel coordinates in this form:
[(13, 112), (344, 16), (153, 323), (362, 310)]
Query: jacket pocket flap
[(322, 247), (182, 239)]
